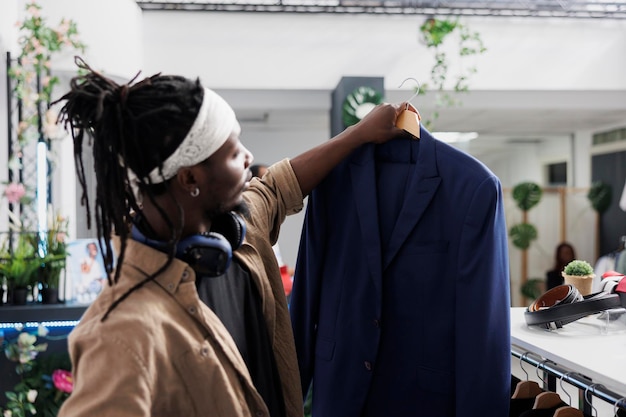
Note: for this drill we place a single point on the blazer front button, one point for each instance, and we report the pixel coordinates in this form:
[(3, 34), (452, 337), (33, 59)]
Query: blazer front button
[(368, 365)]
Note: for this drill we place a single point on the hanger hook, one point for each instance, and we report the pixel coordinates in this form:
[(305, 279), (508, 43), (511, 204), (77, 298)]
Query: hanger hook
[(563, 389), (616, 406), (545, 384), (589, 400), (419, 87), (521, 358)]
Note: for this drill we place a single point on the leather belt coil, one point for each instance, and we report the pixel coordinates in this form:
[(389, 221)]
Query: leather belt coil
[(564, 304)]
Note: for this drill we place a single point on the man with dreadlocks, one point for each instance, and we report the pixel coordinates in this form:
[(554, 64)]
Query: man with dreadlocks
[(180, 330)]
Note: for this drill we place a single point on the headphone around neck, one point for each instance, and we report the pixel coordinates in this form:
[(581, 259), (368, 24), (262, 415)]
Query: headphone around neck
[(209, 254)]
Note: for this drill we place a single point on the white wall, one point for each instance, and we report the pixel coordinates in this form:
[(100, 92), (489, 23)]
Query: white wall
[(295, 51), (112, 31)]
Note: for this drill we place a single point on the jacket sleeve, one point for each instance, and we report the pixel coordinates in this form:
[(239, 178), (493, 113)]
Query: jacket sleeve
[(304, 306), (273, 198), (483, 306), (125, 390)]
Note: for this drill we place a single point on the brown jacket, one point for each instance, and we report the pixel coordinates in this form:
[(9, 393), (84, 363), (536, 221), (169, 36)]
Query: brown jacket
[(162, 352)]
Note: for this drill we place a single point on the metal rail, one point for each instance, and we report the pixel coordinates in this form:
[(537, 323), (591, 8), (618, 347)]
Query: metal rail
[(599, 9), (573, 378)]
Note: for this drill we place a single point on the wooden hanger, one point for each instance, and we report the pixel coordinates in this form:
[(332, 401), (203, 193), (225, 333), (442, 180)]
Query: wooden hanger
[(568, 411), (527, 388), (546, 400), (409, 119)]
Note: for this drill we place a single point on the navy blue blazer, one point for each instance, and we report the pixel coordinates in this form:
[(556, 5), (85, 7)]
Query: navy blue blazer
[(401, 303)]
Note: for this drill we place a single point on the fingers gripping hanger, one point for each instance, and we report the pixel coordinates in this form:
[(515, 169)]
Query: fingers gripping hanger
[(409, 120)]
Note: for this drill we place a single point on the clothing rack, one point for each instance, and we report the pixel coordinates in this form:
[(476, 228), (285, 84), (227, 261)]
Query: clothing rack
[(573, 378)]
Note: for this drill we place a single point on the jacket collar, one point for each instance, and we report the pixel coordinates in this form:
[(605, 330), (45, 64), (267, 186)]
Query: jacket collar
[(423, 185)]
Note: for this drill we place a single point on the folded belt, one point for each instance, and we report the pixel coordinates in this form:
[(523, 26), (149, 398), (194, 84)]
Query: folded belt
[(564, 304)]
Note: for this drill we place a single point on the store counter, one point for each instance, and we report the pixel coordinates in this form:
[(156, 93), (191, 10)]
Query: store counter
[(592, 347)]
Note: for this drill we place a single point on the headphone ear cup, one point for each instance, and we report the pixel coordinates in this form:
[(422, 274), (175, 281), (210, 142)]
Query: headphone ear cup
[(209, 254), (231, 226)]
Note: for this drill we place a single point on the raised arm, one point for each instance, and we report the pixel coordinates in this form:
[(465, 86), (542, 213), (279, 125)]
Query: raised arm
[(377, 126)]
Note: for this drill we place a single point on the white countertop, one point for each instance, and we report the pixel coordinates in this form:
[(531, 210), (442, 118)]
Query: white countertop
[(592, 347)]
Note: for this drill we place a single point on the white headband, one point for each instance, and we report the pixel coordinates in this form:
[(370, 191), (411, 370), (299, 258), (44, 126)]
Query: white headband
[(215, 122)]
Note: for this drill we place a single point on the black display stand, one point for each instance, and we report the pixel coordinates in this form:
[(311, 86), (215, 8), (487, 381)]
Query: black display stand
[(346, 86), (60, 319)]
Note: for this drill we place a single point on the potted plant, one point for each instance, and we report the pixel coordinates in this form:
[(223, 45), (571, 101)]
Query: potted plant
[(526, 196), (580, 274), (52, 262), (19, 266)]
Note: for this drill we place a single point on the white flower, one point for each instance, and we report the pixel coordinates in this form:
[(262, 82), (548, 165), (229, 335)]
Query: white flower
[(26, 339), (42, 331), (8, 413), (31, 395)]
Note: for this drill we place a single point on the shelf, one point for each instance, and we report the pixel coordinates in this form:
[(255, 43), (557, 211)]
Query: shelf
[(41, 313)]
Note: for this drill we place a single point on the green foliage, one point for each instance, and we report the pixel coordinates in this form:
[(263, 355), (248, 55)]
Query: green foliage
[(600, 195), (33, 82), (522, 234), (579, 268), (38, 42), (533, 288), (358, 103), (20, 265), (527, 195), (37, 393), (434, 32), (35, 257)]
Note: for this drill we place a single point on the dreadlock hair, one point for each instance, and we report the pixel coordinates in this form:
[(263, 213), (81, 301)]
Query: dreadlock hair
[(134, 126)]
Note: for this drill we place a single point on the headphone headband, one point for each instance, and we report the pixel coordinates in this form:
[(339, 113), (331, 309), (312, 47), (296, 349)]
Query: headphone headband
[(209, 254)]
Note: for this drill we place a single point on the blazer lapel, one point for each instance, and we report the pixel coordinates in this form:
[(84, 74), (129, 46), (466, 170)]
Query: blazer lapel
[(420, 192), (362, 170)]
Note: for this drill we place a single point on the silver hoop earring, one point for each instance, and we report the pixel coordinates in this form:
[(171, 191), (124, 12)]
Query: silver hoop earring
[(195, 193)]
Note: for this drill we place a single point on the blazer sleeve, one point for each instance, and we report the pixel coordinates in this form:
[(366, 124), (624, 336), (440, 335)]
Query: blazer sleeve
[(305, 295), (483, 307)]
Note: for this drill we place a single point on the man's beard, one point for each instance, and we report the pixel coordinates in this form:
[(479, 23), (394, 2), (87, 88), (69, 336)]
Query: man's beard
[(242, 209)]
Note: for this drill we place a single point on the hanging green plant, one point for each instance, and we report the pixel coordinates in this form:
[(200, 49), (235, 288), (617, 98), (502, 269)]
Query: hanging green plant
[(600, 195), (527, 195), (434, 33), (522, 234), (358, 103)]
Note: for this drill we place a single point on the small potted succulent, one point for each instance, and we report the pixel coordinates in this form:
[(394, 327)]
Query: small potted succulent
[(580, 274)]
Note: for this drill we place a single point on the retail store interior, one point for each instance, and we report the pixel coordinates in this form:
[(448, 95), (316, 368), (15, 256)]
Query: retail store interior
[(545, 103)]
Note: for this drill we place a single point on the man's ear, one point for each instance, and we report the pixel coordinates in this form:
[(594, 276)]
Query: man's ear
[(186, 179)]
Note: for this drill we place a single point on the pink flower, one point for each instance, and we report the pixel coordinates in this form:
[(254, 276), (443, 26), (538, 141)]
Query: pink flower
[(14, 192), (63, 380)]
